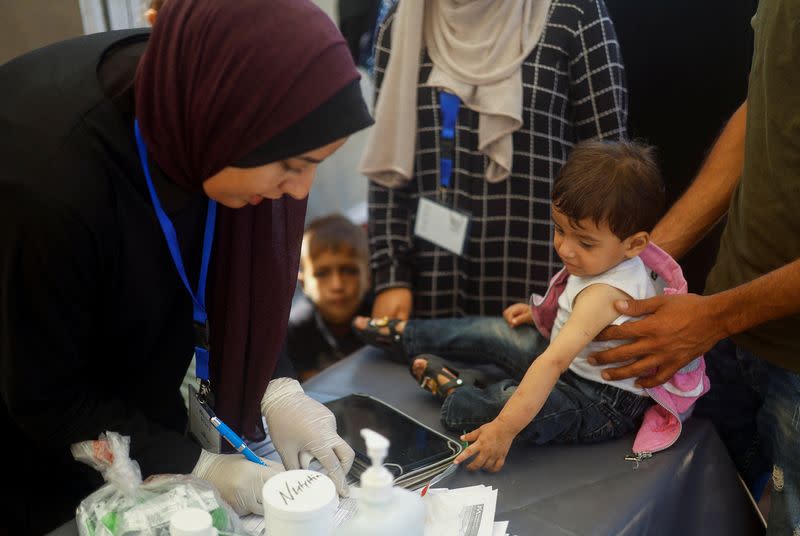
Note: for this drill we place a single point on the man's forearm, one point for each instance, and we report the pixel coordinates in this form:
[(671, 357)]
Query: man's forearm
[(773, 295), (707, 199)]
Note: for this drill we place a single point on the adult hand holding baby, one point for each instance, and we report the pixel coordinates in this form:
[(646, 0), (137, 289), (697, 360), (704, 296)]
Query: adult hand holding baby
[(676, 330)]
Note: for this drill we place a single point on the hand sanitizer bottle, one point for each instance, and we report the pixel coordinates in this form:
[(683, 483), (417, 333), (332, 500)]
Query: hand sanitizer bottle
[(382, 508)]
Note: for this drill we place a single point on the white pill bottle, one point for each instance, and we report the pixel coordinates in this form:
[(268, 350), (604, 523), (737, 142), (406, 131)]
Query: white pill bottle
[(382, 508)]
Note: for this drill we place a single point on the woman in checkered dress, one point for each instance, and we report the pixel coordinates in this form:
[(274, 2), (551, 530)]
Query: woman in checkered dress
[(573, 88)]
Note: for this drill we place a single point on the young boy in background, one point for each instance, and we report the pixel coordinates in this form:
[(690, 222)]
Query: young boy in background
[(334, 275)]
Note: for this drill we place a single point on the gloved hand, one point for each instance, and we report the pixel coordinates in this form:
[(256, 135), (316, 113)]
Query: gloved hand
[(303, 429), (237, 479)]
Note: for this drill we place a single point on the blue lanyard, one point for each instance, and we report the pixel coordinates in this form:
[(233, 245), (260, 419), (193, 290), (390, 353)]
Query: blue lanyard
[(199, 299), (449, 104)]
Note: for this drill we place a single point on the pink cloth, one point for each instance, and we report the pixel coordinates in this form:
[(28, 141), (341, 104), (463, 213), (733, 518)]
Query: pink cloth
[(662, 422)]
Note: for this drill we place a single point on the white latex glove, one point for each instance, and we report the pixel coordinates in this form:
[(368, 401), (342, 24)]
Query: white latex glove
[(237, 479), (303, 429)]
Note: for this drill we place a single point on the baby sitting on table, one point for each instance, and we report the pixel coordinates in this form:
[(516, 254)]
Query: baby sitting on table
[(605, 201)]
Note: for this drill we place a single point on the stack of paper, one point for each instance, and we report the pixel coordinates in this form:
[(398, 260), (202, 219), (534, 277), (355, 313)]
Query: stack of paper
[(462, 512)]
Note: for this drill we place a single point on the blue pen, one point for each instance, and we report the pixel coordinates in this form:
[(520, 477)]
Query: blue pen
[(235, 441)]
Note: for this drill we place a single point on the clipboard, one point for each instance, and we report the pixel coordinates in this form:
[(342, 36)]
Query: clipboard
[(416, 451)]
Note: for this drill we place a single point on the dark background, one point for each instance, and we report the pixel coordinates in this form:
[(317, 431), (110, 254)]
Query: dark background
[(687, 64)]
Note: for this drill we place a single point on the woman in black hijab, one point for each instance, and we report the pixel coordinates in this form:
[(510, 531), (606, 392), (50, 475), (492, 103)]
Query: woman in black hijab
[(104, 233)]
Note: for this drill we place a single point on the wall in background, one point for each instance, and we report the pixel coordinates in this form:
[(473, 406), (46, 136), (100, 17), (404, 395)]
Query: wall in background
[(329, 7), (30, 24), (102, 15)]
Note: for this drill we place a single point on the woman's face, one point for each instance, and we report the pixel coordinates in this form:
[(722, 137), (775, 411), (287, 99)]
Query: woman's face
[(236, 187)]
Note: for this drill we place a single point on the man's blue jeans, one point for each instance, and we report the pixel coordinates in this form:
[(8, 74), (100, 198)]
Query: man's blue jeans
[(755, 407), (577, 410)]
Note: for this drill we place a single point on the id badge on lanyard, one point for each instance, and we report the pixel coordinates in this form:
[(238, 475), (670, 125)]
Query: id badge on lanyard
[(200, 424), (436, 222)]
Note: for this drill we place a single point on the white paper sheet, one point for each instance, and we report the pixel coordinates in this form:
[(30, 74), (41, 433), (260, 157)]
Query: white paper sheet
[(460, 512)]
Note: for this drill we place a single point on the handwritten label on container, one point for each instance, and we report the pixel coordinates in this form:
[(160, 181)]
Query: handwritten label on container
[(295, 490)]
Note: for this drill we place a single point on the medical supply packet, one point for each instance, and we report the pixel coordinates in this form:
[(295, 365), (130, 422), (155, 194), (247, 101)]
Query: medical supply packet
[(127, 505)]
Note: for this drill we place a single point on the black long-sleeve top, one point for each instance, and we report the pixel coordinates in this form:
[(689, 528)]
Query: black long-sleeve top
[(95, 324)]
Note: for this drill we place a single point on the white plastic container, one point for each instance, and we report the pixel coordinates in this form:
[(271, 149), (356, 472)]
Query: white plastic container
[(299, 503), (382, 508), (191, 522)]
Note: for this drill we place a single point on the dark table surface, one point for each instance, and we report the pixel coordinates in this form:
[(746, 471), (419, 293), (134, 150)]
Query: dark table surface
[(690, 489)]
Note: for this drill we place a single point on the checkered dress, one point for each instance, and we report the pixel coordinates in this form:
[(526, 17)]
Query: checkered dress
[(574, 89)]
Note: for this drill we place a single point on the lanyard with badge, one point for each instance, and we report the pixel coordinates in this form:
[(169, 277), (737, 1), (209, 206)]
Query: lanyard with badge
[(435, 222), (200, 412)]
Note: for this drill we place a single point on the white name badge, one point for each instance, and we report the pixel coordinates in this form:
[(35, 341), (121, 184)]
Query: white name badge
[(200, 426), (441, 225)]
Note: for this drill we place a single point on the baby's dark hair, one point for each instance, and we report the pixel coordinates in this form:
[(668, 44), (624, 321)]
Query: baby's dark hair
[(616, 182), (334, 233)]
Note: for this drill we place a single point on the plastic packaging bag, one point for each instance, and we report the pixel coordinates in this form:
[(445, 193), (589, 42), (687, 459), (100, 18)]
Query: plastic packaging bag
[(126, 505)]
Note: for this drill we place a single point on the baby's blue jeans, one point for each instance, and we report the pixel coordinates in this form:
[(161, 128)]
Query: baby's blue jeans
[(577, 410)]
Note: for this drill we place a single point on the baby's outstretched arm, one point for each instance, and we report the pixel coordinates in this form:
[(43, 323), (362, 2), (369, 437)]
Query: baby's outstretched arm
[(592, 310)]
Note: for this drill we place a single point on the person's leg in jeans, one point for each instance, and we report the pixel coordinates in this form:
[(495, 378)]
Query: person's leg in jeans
[(779, 429), (732, 405), (475, 340), (577, 411), (755, 407)]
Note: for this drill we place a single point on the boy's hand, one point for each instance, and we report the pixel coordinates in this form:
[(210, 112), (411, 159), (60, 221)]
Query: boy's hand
[(518, 314), (490, 444)]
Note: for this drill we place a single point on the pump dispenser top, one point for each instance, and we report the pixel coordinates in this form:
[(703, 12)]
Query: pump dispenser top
[(382, 508), (376, 480), (377, 446)]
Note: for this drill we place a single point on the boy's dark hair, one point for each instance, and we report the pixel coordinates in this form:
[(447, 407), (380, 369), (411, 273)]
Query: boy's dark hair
[(334, 233), (617, 182)]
